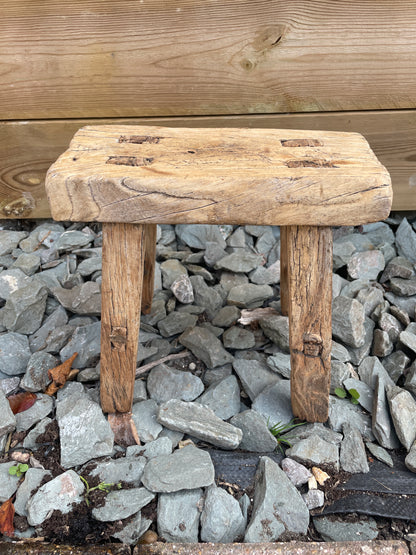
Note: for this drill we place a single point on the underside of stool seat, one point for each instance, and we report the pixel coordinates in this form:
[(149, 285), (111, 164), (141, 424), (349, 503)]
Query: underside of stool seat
[(139, 174)]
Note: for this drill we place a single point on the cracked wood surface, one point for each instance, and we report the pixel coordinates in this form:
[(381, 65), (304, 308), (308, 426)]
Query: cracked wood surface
[(236, 176), (122, 279), (309, 297)]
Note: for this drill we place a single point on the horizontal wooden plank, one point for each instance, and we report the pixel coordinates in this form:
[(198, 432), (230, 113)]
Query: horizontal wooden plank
[(100, 58), (168, 175), (27, 149)]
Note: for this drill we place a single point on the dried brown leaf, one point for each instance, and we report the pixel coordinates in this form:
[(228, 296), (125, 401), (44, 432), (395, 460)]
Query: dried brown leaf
[(6, 518), (21, 401), (59, 375)]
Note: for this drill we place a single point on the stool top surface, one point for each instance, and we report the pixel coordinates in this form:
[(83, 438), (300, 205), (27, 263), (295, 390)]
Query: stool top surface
[(143, 174)]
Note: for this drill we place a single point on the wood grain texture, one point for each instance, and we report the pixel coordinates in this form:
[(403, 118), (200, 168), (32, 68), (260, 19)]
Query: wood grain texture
[(122, 278), (27, 149), (90, 58), (310, 331), (232, 176), (149, 267), (284, 269)]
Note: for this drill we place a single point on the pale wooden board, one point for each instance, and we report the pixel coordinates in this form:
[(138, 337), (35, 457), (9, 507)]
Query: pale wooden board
[(169, 175), (89, 58), (27, 149)]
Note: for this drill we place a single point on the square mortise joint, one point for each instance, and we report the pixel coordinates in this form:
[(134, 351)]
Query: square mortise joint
[(300, 142), (139, 139), (128, 161), (312, 345), (118, 338)]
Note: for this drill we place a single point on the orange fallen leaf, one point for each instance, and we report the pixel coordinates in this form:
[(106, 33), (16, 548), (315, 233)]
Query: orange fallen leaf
[(59, 375), (21, 401), (6, 518)]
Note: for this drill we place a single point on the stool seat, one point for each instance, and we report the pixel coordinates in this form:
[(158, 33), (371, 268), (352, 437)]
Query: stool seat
[(132, 178), (232, 176)]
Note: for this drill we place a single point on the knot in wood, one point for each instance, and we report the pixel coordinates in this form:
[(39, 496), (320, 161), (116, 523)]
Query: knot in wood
[(312, 345), (118, 338)]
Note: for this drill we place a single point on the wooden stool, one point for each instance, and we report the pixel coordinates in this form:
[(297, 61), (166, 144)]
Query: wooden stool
[(132, 178)]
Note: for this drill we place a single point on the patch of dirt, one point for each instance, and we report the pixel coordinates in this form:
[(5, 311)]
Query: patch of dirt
[(48, 454), (77, 527)]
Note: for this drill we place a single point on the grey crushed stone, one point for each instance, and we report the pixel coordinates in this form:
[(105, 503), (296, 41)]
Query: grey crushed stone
[(185, 469), (7, 418), (273, 403), (42, 407), (122, 504), (403, 412), (277, 502), (144, 416), (14, 353), (352, 456), (199, 421), (58, 494), (254, 375), (84, 432), (387, 314), (178, 515), (256, 434), (204, 345), (9, 483), (335, 530), (221, 520), (314, 451), (164, 383), (129, 469), (223, 397)]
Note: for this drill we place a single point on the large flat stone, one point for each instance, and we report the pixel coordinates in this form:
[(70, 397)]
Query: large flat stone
[(254, 376), (185, 469), (199, 421), (57, 495), (221, 520), (274, 404), (278, 506), (84, 432), (314, 451), (348, 321), (178, 515), (164, 383), (403, 412), (223, 397), (121, 504), (353, 457), (256, 434), (204, 345)]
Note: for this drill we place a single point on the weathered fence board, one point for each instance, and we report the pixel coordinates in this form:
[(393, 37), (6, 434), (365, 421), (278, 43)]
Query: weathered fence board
[(27, 149), (89, 58)]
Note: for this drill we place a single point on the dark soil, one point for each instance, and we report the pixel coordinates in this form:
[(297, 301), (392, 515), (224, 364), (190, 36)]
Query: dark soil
[(78, 527)]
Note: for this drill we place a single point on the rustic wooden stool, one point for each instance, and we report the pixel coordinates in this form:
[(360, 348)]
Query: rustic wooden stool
[(132, 178)]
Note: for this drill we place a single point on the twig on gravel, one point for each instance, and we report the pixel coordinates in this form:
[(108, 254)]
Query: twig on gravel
[(150, 365), (254, 315)]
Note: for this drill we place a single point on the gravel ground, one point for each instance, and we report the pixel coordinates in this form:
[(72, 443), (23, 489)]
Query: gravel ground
[(210, 385)]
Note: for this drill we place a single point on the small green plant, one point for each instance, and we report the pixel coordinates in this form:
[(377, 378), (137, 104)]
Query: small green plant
[(351, 394), (18, 470), (279, 429), (102, 486)]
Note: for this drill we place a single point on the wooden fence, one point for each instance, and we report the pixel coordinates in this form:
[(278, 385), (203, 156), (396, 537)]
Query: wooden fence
[(345, 65)]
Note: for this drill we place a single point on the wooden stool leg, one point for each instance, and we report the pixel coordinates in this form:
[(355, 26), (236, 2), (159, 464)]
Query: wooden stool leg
[(149, 266), (310, 332), (284, 279), (122, 278)]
